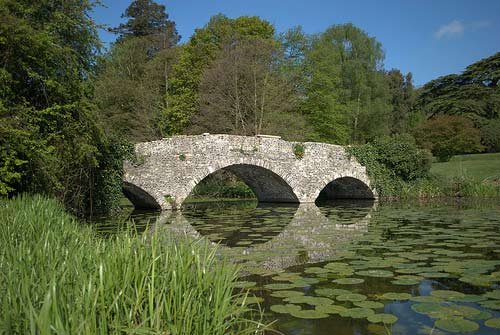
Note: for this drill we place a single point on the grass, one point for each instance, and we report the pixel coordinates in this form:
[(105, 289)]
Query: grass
[(58, 277), (478, 167)]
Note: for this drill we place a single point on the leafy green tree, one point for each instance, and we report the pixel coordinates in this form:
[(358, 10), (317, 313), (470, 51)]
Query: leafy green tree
[(196, 56), (448, 135), (49, 139), (473, 94), (347, 95)]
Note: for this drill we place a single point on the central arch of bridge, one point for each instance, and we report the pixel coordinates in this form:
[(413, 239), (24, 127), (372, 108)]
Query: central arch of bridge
[(265, 184)]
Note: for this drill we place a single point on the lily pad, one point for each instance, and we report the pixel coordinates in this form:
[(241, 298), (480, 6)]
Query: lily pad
[(330, 292), (280, 286), (456, 325), (244, 284), (358, 312), (427, 298), (353, 297), (348, 281), (308, 314), (285, 309), (493, 323), (286, 294), (395, 296), (331, 309), (369, 304), (495, 294), (491, 304), (383, 318), (376, 273), (447, 294), (307, 299), (249, 300), (405, 282)]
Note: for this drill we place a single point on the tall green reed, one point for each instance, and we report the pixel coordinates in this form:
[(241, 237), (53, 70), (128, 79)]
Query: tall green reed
[(58, 277)]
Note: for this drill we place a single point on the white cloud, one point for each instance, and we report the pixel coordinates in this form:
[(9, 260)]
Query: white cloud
[(457, 28), (453, 28)]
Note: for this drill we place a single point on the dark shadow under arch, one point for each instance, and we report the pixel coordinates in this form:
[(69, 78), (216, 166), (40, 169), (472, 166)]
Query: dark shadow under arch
[(265, 184), (346, 188), (138, 197)]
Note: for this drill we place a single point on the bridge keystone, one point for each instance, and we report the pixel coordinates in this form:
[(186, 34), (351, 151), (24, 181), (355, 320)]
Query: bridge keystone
[(166, 171)]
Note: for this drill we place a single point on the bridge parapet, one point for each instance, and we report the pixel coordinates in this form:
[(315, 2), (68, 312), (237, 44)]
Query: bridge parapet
[(166, 171)]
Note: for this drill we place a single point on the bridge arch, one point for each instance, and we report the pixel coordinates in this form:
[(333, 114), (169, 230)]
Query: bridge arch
[(267, 185), (346, 188), (140, 198)]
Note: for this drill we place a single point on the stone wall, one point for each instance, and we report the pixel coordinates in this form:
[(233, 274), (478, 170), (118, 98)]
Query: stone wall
[(165, 172)]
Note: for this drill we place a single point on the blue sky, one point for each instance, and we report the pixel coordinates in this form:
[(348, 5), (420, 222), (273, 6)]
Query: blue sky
[(428, 38)]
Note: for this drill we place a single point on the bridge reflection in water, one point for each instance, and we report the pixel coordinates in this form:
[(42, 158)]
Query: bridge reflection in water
[(272, 237)]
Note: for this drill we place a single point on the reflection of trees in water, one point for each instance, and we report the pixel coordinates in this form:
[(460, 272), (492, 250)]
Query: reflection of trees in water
[(305, 234)]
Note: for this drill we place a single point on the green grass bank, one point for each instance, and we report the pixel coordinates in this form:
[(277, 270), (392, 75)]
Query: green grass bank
[(478, 167), (57, 276)]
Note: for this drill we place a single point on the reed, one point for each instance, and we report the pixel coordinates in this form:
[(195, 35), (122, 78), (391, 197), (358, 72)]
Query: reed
[(58, 277)]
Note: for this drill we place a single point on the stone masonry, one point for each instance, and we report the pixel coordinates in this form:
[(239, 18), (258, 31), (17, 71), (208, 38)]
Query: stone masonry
[(165, 172)]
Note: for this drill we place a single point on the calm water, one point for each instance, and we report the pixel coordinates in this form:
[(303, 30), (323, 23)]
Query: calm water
[(357, 267)]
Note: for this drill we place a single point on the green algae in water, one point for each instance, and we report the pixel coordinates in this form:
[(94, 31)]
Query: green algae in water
[(348, 281), (457, 325), (383, 318)]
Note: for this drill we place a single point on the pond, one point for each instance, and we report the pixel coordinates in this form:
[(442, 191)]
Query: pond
[(357, 267)]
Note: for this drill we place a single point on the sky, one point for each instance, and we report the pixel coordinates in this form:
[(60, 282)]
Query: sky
[(428, 38)]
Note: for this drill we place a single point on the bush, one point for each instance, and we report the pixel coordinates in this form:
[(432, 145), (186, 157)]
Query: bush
[(392, 162), (490, 135), (59, 277), (448, 135)]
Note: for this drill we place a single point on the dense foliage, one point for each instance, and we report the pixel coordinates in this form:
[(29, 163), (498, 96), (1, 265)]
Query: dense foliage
[(49, 138), (448, 135), (393, 162)]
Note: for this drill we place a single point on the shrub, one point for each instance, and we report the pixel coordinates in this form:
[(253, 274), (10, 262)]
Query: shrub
[(448, 135), (392, 162)]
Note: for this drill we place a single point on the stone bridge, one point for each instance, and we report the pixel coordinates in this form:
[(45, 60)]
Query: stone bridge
[(165, 172)]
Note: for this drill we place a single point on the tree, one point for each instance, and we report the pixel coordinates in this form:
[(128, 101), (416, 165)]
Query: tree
[(198, 55), (148, 18), (243, 90), (473, 94), (448, 135), (402, 100), (347, 96), (49, 139), (130, 89)]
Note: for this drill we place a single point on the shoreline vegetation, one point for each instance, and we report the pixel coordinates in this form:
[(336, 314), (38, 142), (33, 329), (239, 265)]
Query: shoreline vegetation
[(59, 276)]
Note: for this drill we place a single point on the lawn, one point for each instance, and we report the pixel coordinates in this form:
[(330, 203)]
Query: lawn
[(478, 167)]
